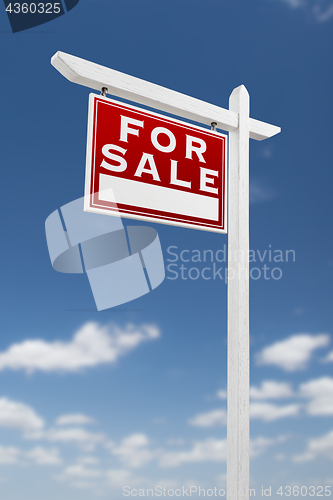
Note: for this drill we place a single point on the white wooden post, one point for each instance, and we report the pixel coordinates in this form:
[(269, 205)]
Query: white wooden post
[(238, 435), (237, 121)]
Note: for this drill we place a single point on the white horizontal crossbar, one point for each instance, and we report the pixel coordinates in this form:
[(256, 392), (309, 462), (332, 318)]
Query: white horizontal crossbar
[(94, 76)]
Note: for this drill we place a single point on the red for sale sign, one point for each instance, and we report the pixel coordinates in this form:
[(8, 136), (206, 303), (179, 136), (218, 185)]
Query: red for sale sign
[(150, 167)]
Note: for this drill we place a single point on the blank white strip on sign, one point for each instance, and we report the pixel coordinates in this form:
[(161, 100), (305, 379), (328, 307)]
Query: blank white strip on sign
[(138, 194)]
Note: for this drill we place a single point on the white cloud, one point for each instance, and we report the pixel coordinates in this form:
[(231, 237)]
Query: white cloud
[(295, 3), (221, 394), (259, 445), (74, 419), (293, 353), (84, 439), (82, 472), (133, 450), (317, 387), (82, 477), (260, 193), (88, 460), (84, 485), (269, 412), (9, 455), (267, 151), (209, 419), (91, 345), (317, 447), (321, 10), (263, 411), (270, 389), (175, 442), (329, 358), (19, 416), (159, 421), (43, 456), (323, 14), (136, 451), (118, 478), (38, 456), (320, 393), (210, 450)]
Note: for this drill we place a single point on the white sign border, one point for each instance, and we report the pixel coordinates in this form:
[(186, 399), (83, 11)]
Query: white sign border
[(152, 219)]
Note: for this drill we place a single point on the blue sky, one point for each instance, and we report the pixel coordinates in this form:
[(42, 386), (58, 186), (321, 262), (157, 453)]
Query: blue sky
[(80, 415)]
